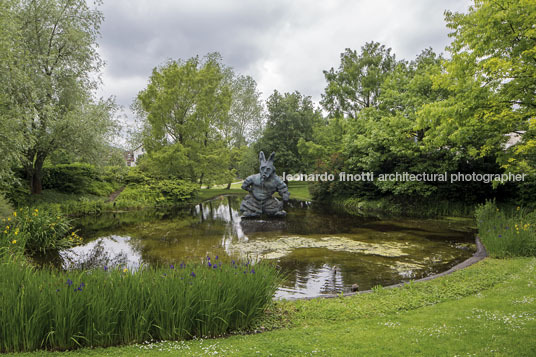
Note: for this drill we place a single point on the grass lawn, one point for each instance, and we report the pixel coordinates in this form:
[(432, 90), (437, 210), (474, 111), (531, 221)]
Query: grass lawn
[(486, 309), (298, 191)]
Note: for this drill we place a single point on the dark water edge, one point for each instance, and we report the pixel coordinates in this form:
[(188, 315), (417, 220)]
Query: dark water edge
[(320, 250)]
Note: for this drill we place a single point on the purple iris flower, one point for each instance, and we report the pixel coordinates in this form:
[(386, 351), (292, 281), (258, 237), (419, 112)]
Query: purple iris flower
[(209, 264), (216, 257), (69, 282), (172, 266), (192, 274), (252, 271), (105, 268)]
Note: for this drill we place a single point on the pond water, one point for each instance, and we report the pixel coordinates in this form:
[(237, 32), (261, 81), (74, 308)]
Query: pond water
[(319, 251)]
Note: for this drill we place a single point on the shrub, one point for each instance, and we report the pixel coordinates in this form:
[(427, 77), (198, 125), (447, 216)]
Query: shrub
[(83, 178), (33, 231), (506, 233), (103, 307), (157, 193)]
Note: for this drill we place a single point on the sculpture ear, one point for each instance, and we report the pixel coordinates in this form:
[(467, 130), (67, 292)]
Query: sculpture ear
[(272, 156), (261, 157)]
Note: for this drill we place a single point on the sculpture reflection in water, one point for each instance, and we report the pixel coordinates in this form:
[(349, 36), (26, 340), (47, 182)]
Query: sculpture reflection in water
[(261, 187)]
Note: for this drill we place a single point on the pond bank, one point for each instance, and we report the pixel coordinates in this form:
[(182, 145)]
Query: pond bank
[(488, 308)]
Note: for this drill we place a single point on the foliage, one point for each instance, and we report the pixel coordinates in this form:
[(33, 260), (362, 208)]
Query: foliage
[(83, 178), (356, 84), (34, 231), (495, 43), (53, 79), (156, 193), (104, 307), (506, 234), (291, 117), (185, 107)]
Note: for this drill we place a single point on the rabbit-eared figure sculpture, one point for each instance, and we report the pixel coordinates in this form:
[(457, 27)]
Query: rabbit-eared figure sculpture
[(261, 187)]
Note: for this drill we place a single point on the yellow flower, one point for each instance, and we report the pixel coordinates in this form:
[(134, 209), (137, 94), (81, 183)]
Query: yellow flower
[(15, 214), (518, 208), (125, 270), (7, 227), (36, 210), (8, 219), (16, 232), (497, 210), (13, 241), (5, 232)]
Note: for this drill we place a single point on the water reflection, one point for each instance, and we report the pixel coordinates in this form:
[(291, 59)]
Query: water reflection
[(319, 251)]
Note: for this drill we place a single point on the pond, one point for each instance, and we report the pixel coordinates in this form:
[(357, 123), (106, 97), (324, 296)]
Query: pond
[(320, 251)]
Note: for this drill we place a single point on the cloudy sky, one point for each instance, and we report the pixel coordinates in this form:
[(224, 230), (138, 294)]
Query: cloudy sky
[(282, 44)]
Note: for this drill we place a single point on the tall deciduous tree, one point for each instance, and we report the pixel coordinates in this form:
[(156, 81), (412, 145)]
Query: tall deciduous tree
[(58, 60), (291, 117), (492, 80), (356, 84), (186, 106)]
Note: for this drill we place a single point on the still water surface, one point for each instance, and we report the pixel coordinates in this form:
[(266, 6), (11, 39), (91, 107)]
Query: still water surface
[(320, 251)]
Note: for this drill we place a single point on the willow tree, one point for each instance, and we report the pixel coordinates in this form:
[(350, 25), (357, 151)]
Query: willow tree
[(58, 61)]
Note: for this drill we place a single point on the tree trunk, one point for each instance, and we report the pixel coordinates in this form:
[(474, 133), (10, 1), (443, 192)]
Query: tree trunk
[(228, 186), (201, 180), (35, 174)]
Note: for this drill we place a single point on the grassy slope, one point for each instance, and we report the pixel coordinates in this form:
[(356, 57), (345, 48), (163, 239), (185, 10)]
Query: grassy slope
[(298, 191), (488, 308)]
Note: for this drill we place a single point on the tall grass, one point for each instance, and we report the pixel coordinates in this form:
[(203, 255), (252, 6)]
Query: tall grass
[(44, 309), (33, 231), (507, 232)]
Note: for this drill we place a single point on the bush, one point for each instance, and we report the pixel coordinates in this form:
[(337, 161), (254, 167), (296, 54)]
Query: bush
[(83, 179), (157, 193), (33, 231), (506, 233), (104, 307)]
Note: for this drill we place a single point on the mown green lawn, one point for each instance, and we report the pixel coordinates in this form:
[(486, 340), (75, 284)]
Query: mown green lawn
[(298, 191), (486, 309)]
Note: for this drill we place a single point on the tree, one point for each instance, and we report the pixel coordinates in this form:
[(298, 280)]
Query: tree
[(12, 78), (185, 107), (246, 113), (491, 78), (291, 117), (57, 60), (356, 84)]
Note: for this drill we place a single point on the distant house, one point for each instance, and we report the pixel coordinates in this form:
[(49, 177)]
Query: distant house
[(514, 138), (131, 157)]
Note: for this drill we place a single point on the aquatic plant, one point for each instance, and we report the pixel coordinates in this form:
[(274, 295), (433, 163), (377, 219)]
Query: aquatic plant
[(45, 309)]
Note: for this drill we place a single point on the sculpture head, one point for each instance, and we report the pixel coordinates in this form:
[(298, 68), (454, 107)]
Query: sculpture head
[(267, 166)]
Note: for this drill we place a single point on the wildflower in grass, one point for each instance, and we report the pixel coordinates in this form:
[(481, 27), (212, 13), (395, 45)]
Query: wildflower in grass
[(518, 208), (216, 257), (125, 270), (57, 290), (500, 235), (182, 265), (13, 242), (172, 266), (209, 264), (69, 282), (105, 268), (208, 258), (15, 214), (8, 219), (233, 262), (252, 271), (192, 274), (215, 266)]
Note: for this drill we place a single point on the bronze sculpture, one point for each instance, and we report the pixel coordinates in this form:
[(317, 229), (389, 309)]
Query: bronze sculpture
[(261, 187)]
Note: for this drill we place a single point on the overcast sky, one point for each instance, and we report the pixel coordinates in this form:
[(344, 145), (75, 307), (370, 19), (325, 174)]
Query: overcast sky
[(282, 44)]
